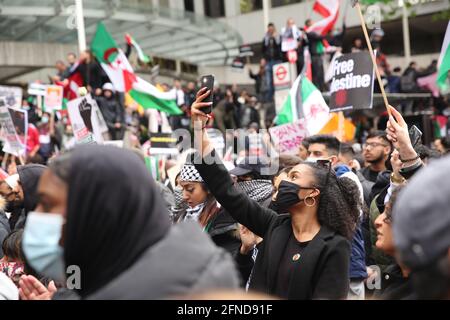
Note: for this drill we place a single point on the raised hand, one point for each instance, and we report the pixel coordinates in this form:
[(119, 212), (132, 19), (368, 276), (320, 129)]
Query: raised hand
[(397, 133), (32, 289), (196, 113)]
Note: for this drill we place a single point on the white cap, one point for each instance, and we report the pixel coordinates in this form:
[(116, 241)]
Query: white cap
[(108, 86), (12, 181)]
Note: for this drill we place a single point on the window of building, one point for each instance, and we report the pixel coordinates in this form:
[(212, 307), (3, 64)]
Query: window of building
[(279, 3), (189, 5), (251, 5), (164, 3), (214, 8)]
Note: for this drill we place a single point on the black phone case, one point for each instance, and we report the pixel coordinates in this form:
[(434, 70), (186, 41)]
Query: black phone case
[(208, 82)]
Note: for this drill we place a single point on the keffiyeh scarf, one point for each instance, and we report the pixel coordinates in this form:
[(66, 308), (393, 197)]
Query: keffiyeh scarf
[(258, 190)]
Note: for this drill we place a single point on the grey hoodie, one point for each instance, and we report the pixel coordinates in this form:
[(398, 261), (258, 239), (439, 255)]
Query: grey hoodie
[(185, 262)]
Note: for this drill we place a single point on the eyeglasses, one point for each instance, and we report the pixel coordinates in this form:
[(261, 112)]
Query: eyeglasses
[(373, 145)]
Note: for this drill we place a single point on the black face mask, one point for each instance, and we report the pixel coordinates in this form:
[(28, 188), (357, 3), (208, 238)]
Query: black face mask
[(287, 195)]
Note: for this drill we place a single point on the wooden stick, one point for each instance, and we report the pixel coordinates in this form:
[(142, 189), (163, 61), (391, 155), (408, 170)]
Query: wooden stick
[(5, 161), (341, 126), (22, 161), (369, 45)]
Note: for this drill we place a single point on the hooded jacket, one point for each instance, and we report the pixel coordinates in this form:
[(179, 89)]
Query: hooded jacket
[(29, 176)]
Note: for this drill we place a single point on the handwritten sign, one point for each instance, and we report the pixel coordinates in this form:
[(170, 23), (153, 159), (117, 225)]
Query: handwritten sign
[(287, 138)]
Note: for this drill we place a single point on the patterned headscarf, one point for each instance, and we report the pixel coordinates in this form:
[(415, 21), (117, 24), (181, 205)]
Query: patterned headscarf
[(189, 173)]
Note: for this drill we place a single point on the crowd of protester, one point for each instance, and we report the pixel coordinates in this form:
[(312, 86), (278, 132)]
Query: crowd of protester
[(329, 223), (365, 219)]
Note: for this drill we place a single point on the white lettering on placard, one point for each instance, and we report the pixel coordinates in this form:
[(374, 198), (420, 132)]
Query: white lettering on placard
[(350, 81)]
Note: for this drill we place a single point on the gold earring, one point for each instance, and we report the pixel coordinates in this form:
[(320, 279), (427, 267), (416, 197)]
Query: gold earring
[(313, 203)]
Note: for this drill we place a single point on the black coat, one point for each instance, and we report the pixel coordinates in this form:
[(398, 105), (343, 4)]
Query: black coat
[(323, 270), (112, 110), (224, 232), (394, 286), (222, 229)]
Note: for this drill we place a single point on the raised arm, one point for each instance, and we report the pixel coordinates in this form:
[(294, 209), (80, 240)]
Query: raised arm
[(243, 209)]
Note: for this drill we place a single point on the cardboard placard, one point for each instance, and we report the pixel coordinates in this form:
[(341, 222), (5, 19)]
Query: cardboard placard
[(84, 120), (352, 83), (12, 142), (246, 51), (287, 138), (53, 98), (12, 96)]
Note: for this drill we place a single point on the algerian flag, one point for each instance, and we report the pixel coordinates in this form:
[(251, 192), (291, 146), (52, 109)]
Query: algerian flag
[(444, 60), (123, 78), (305, 101), (141, 55)]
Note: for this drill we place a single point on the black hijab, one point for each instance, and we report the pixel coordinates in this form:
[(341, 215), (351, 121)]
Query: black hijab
[(114, 214)]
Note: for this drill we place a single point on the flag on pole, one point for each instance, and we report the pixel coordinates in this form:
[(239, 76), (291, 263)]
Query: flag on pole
[(348, 129), (305, 101), (141, 55), (329, 10), (123, 78), (444, 61)]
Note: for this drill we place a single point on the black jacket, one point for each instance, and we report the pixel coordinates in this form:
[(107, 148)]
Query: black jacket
[(323, 270), (222, 229), (92, 74), (224, 232), (313, 40), (394, 286), (271, 48), (112, 110)]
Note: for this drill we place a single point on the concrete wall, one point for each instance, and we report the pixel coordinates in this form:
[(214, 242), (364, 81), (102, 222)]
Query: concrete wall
[(33, 54)]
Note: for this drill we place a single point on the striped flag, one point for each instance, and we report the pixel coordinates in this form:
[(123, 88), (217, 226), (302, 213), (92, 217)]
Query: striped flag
[(117, 67), (444, 61), (141, 55), (329, 10), (305, 101)]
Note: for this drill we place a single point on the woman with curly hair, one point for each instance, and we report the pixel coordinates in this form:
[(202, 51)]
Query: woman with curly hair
[(305, 254)]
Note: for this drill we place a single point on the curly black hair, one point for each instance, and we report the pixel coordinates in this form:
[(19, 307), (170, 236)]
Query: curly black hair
[(339, 202)]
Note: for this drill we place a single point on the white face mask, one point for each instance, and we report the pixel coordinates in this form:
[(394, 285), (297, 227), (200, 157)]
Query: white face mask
[(41, 244)]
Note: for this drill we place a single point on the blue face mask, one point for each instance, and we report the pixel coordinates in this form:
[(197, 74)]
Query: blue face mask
[(41, 244), (44, 119)]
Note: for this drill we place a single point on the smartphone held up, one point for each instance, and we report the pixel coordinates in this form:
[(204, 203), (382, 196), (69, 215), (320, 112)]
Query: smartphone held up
[(208, 82)]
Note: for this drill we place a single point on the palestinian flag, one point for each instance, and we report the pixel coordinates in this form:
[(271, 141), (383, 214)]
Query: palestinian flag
[(123, 78), (329, 10), (141, 55), (444, 61), (305, 101)]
